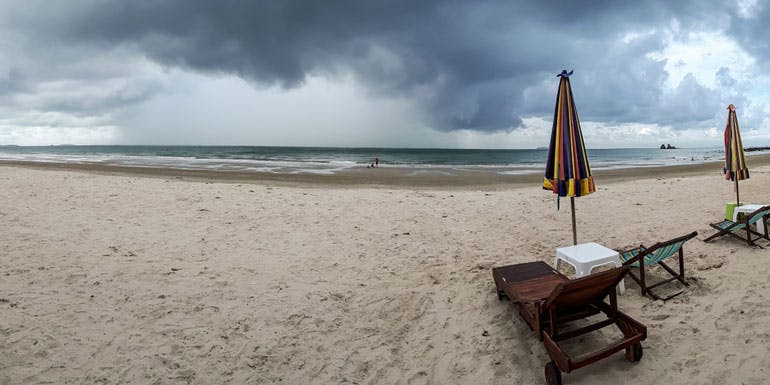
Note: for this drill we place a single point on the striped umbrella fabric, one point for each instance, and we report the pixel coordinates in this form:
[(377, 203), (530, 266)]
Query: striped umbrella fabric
[(567, 172), (735, 161)]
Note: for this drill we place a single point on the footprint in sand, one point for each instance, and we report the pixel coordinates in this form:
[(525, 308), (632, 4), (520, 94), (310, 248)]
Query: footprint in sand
[(711, 266), (421, 377)]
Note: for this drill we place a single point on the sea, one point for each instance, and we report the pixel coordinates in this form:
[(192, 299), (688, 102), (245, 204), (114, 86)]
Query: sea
[(335, 160)]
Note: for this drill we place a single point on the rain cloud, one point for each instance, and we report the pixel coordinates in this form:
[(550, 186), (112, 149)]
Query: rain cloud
[(482, 66)]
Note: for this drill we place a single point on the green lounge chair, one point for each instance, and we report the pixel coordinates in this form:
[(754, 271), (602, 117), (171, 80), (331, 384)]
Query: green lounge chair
[(655, 255), (728, 227)]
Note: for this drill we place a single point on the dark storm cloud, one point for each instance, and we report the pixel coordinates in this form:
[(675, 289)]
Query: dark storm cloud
[(479, 65)]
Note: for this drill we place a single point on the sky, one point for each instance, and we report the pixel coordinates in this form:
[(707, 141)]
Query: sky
[(373, 73)]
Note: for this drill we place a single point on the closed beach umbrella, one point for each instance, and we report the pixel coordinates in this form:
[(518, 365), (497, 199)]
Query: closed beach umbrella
[(735, 161), (567, 172)]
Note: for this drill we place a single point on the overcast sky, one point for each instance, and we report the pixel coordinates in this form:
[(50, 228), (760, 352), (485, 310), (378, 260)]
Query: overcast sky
[(467, 74)]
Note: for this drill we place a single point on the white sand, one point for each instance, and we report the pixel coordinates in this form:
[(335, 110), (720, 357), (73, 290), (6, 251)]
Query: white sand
[(138, 280)]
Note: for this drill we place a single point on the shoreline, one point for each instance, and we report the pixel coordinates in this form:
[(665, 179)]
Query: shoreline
[(384, 176)]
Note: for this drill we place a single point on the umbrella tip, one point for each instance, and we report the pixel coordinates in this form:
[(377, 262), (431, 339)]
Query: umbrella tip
[(565, 74), (731, 107)]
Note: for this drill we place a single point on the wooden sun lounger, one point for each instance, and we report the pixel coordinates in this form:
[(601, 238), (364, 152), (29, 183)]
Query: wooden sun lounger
[(547, 301)]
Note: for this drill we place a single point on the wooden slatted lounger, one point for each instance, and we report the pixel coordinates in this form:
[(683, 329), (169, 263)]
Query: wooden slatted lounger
[(547, 301)]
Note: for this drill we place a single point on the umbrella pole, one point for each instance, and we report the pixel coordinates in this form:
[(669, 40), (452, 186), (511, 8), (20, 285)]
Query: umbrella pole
[(737, 199), (574, 232)]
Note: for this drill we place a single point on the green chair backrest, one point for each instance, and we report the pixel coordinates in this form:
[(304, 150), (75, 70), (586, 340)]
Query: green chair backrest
[(658, 251), (663, 252), (759, 214)]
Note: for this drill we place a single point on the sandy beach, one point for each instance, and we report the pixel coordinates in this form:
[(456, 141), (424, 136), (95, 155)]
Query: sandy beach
[(135, 276)]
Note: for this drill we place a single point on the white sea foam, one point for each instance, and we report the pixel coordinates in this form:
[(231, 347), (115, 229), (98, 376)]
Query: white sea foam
[(519, 172), (324, 161)]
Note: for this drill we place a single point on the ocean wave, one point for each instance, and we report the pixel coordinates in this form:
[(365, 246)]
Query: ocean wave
[(300, 160)]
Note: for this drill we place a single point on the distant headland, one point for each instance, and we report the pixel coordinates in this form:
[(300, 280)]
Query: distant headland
[(747, 149)]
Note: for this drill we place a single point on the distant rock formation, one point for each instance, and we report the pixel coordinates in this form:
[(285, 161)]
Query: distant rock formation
[(667, 147)]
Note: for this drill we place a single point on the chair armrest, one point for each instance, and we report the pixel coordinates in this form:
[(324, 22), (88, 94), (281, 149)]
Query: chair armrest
[(629, 254)]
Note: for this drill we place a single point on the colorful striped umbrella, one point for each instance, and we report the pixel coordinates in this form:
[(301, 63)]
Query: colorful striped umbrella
[(567, 172), (735, 161)]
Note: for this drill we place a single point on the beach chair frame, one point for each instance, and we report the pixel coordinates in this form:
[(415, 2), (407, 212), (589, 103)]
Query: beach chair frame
[(548, 301), (733, 229), (655, 255)]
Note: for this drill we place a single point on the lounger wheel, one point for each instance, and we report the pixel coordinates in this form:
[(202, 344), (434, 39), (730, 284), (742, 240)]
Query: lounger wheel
[(635, 352), (552, 374)]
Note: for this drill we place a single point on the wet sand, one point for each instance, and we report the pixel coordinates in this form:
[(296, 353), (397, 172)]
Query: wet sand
[(387, 175)]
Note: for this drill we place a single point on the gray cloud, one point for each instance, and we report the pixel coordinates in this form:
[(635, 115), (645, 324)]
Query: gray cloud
[(751, 31), (471, 65)]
